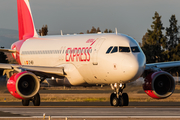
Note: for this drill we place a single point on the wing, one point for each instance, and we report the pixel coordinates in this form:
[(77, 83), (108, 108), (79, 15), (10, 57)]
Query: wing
[(165, 66), (38, 70), (7, 50), (162, 65)]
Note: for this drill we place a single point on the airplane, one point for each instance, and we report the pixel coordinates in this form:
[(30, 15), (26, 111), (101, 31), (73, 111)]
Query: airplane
[(113, 59)]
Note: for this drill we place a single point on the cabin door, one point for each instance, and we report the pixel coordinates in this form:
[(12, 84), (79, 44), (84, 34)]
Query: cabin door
[(96, 50)]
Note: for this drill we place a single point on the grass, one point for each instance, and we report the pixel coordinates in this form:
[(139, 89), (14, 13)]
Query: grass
[(56, 99), (74, 100)]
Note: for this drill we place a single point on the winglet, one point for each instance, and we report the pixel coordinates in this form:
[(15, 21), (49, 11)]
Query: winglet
[(25, 20)]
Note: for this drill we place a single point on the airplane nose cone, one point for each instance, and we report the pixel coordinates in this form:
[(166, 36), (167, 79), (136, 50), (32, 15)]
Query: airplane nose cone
[(133, 67)]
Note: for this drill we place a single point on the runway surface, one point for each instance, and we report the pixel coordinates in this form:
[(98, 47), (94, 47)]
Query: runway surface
[(92, 104), (92, 110)]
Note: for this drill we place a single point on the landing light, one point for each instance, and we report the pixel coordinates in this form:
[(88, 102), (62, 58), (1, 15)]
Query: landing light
[(52, 78), (120, 85), (115, 85)]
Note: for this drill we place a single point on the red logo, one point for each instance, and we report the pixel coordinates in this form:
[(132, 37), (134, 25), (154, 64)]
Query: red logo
[(78, 54), (92, 41)]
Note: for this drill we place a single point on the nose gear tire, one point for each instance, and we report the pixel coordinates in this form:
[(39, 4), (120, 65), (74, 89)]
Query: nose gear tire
[(114, 101), (125, 99), (121, 101)]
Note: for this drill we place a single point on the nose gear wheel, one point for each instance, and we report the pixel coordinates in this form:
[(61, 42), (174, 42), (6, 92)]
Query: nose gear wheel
[(118, 98)]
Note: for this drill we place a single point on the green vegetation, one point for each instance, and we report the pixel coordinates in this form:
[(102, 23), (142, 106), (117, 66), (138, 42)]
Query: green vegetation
[(94, 30), (3, 59), (162, 44), (43, 31), (160, 47), (154, 41)]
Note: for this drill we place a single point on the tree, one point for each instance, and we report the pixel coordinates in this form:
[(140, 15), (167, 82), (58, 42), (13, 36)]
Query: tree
[(3, 59), (107, 31), (110, 31), (172, 33), (154, 42), (145, 37), (40, 32), (43, 31), (93, 30), (98, 30), (88, 32)]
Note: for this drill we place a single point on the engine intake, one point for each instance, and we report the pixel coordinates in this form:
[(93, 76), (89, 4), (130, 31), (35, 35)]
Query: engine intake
[(23, 85), (159, 85)]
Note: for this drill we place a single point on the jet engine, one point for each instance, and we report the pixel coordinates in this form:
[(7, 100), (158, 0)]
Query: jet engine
[(159, 85), (23, 85)]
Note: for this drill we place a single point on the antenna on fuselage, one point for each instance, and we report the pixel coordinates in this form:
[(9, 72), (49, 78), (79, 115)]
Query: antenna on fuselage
[(116, 30), (61, 33)]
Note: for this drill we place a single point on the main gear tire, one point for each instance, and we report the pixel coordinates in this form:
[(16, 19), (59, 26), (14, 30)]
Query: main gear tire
[(36, 100), (25, 102)]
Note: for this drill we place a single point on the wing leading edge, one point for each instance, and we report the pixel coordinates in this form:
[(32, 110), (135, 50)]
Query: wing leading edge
[(162, 65), (38, 70), (7, 50)]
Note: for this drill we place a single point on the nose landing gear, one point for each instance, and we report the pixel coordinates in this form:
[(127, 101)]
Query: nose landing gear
[(118, 98)]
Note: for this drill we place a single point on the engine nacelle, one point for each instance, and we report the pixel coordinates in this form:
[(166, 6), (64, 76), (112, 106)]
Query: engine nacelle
[(23, 85), (159, 85)]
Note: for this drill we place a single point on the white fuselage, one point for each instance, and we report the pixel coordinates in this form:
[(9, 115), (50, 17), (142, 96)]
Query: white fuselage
[(87, 54)]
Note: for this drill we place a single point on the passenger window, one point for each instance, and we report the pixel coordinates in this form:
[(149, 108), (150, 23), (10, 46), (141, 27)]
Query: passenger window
[(109, 50), (115, 49), (135, 49), (124, 49)]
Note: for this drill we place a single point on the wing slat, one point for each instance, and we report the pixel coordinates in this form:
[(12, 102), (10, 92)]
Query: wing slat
[(163, 65)]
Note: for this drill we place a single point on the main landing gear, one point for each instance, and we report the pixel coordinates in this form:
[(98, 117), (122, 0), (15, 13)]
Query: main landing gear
[(118, 98), (35, 100)]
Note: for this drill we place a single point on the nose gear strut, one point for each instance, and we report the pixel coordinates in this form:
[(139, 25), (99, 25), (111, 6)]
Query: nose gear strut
[(118, 98)]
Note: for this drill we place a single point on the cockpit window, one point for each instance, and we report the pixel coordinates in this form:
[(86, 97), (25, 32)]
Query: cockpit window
[(124, 49), (109, 50), (135, 49), (115, 49)]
